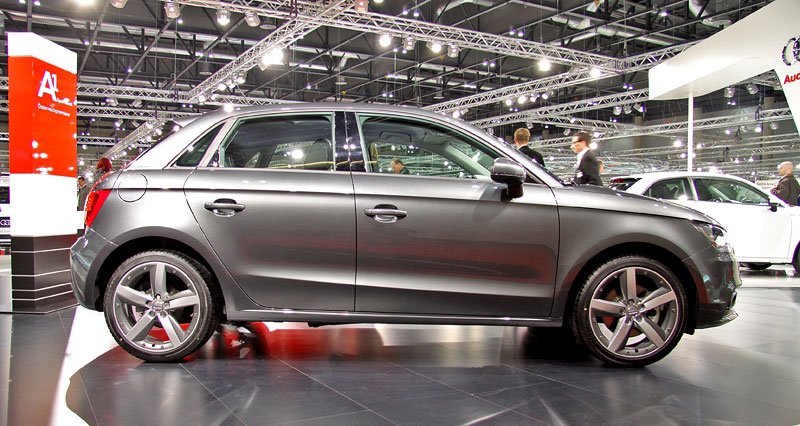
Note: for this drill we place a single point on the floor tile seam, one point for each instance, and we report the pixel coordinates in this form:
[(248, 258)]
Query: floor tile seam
[(469, 394), (320, 417), (583, 388), (335, 391), (213, 394), (88, 399)]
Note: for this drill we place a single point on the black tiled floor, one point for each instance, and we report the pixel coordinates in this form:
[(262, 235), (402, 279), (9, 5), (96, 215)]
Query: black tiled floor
[(744, 373)]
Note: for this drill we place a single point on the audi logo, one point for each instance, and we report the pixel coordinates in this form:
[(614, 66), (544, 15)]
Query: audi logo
[(791, 52)]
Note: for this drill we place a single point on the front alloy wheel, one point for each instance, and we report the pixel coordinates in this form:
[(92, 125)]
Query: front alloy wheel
[(159, 307), (630, 312)]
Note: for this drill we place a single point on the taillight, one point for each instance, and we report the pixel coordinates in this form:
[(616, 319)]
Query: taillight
[(94, 202)]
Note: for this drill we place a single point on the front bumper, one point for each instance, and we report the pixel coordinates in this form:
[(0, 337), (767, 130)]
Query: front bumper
[(717, 278), (84, 267)]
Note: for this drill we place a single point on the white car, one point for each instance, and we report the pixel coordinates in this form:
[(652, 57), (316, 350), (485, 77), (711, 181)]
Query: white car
[(762, 229)]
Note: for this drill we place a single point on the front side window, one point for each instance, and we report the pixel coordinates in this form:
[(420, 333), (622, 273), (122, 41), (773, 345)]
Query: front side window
[(288, 142), (402, 146), (728, 191), (670, 189)]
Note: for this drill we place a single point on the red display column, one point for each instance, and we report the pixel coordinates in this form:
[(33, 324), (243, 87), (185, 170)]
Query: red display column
[(42, 159)]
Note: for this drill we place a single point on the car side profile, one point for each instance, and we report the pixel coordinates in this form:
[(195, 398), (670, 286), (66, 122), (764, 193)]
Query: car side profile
[(763, 229), (292, 213)]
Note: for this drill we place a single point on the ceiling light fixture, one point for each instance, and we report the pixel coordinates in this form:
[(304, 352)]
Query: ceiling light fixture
[(617, 110), (223, 17), (340, 81), (595, 72), (628, 109), (385, 40), (774, 125), (252, 19), (452, 51), (752, 88), (434, 46), (729, 91), (509, 102), (172, 9), (361, 6), (638, 107), (522, 99), (119, 4), (409, 43), (545, 64)]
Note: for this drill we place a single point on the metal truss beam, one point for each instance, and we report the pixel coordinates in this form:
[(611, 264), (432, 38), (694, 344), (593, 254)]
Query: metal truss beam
[(620, 99), (283, 36), (423, 31), (87, 140)]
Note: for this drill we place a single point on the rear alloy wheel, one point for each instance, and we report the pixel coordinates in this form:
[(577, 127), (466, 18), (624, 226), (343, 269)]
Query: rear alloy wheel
[(159, 306), (757, 266), (630, 312)]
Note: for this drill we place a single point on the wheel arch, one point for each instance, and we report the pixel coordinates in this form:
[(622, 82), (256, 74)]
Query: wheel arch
[(659, 254), (138, 245)]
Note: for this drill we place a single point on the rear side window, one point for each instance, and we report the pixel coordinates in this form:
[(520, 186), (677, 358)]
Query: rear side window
[(622, 184), (671, 189), (289, 142), (191, 157)]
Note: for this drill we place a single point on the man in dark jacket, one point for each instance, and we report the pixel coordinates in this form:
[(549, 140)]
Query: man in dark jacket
[(521, 139), (587, 169), (787, 189)]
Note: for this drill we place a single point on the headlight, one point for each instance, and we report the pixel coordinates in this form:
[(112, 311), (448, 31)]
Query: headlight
[(715, 234)]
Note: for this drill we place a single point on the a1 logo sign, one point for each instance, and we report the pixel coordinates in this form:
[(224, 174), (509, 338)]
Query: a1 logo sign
[(49, 85)]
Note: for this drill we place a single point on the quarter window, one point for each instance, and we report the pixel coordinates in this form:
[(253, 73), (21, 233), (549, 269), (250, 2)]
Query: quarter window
[(191, 157), (297, 142), (423, 149)]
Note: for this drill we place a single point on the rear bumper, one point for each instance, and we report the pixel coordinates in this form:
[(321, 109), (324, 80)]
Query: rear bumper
[(84, 269)]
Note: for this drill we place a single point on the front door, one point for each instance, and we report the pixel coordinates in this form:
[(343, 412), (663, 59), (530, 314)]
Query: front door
[(433, 234)]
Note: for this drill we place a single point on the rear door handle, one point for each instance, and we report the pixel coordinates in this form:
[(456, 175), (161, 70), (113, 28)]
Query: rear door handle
[(386, 213), (224, 207)]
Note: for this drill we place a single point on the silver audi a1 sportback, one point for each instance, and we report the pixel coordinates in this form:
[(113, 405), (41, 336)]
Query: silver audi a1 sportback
[(363, 213)]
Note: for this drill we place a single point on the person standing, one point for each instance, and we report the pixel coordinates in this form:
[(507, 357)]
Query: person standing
[(83, 192), (787, 188), (587, 170), (521, 139)]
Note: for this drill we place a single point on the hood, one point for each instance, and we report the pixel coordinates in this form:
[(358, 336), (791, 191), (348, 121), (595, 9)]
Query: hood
[(597, 197)]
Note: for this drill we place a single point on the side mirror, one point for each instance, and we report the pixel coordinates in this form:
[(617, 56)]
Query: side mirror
[(510, 173), (773, 206)]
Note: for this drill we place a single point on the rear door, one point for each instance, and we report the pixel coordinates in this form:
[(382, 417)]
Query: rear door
[(440, 240), (277, 213)]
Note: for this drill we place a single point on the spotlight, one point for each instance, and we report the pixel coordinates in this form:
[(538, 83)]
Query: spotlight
[(774, 125), (638, 107), (252, 19), (729, 91), (545, 95), (240, 79), (593, 145), (227, 107), (752, 88), (385, 40), (758, 128), (628, 109), (509, 102), (272, 57), (727, 131), (573, 120), (223, 17), (595, 72), (434, 46), (617, 110), (677, 143), (119, 4), (452, 51), (456, 114), (137, 103), (377, 1), (409, 43), (545, 65), (222, 86), (522, 99), (201, 98), (340, 81), (416, 13), (361, 6), (567, 132)]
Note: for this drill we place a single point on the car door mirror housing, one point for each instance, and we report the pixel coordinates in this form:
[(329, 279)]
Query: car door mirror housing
[(510, 173), (773, 206)]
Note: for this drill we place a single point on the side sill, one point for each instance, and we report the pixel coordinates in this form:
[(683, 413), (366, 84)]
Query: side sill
[(346, 317)]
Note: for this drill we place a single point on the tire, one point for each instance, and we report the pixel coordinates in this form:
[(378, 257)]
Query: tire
[(630, 331), (757, 266), (148, 324)]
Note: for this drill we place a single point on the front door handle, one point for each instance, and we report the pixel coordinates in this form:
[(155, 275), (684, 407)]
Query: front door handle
[(386, 213), (224, 207)]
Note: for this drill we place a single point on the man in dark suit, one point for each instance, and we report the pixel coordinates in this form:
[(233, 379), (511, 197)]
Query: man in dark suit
[(521, 138), (587, 170), (787, 189)]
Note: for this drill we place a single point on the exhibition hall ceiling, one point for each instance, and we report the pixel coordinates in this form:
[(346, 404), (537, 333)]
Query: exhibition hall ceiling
[(555, 66)]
